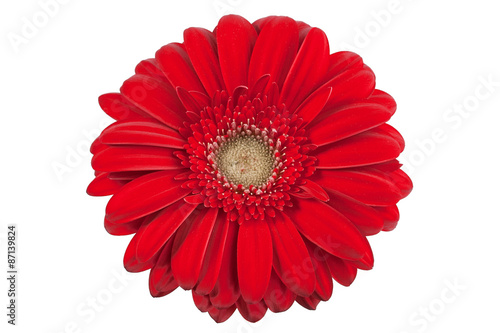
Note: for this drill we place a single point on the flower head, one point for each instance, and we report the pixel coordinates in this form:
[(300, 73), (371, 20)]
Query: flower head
[(251, 164)]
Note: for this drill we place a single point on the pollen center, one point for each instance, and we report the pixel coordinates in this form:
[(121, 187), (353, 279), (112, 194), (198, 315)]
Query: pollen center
[(245, 160)]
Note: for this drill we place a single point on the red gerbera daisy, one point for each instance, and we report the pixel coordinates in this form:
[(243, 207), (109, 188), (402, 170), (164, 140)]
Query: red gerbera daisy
[(251, 164)]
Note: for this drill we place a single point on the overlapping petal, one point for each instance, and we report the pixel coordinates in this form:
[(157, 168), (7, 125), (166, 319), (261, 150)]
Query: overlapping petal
[(142, 133), (190, 246), (155, 97), (134, 158), (378, 145), (365, 186), (175, 63), (235, 40), (307, 69), (255, 259), (330, 230), (291, 258), (274, 50), (201, 47), (144, 195)]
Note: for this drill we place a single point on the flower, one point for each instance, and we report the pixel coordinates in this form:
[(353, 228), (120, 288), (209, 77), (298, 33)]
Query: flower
[(251, 164)]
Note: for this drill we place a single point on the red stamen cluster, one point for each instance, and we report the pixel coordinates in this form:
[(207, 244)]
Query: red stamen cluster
[(238, 116)]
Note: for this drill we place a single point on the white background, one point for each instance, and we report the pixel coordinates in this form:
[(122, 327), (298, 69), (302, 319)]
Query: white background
[(433, 57)]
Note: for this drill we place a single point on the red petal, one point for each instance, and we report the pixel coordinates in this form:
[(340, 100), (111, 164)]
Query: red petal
[(274, 50), (176, 65), (304, 29), (130, 258), (226, 291), (144, 195), (155, 292), (349, 86), (187, 257), (314, 190), (373, 146), (251, 312), (213, 256), (324, 283), (149, 67), (200, 97), (307, 69), (366, 218), (313, 105), (202, 302), (127, 175), (255, 259), (291, 259), (97, 146), (235, 39), (309, 303), (329, 229), (348, 121), (135, 158), (121, 229), (278, 297), (201, 47), (161, 279), (390, 215), (102, 185), (370, 188), (389, 130), (260, 86), (260, 23), (384, 99), (119, 108), (159, 231), (143, 132), (361, 264), (402, 181), (189, 101), (156, 98), (386, 167), (343, 272), (221, 315), (342, 61)]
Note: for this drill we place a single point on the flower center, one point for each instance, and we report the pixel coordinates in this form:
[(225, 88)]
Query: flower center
[(246, 156), (245, 160)]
